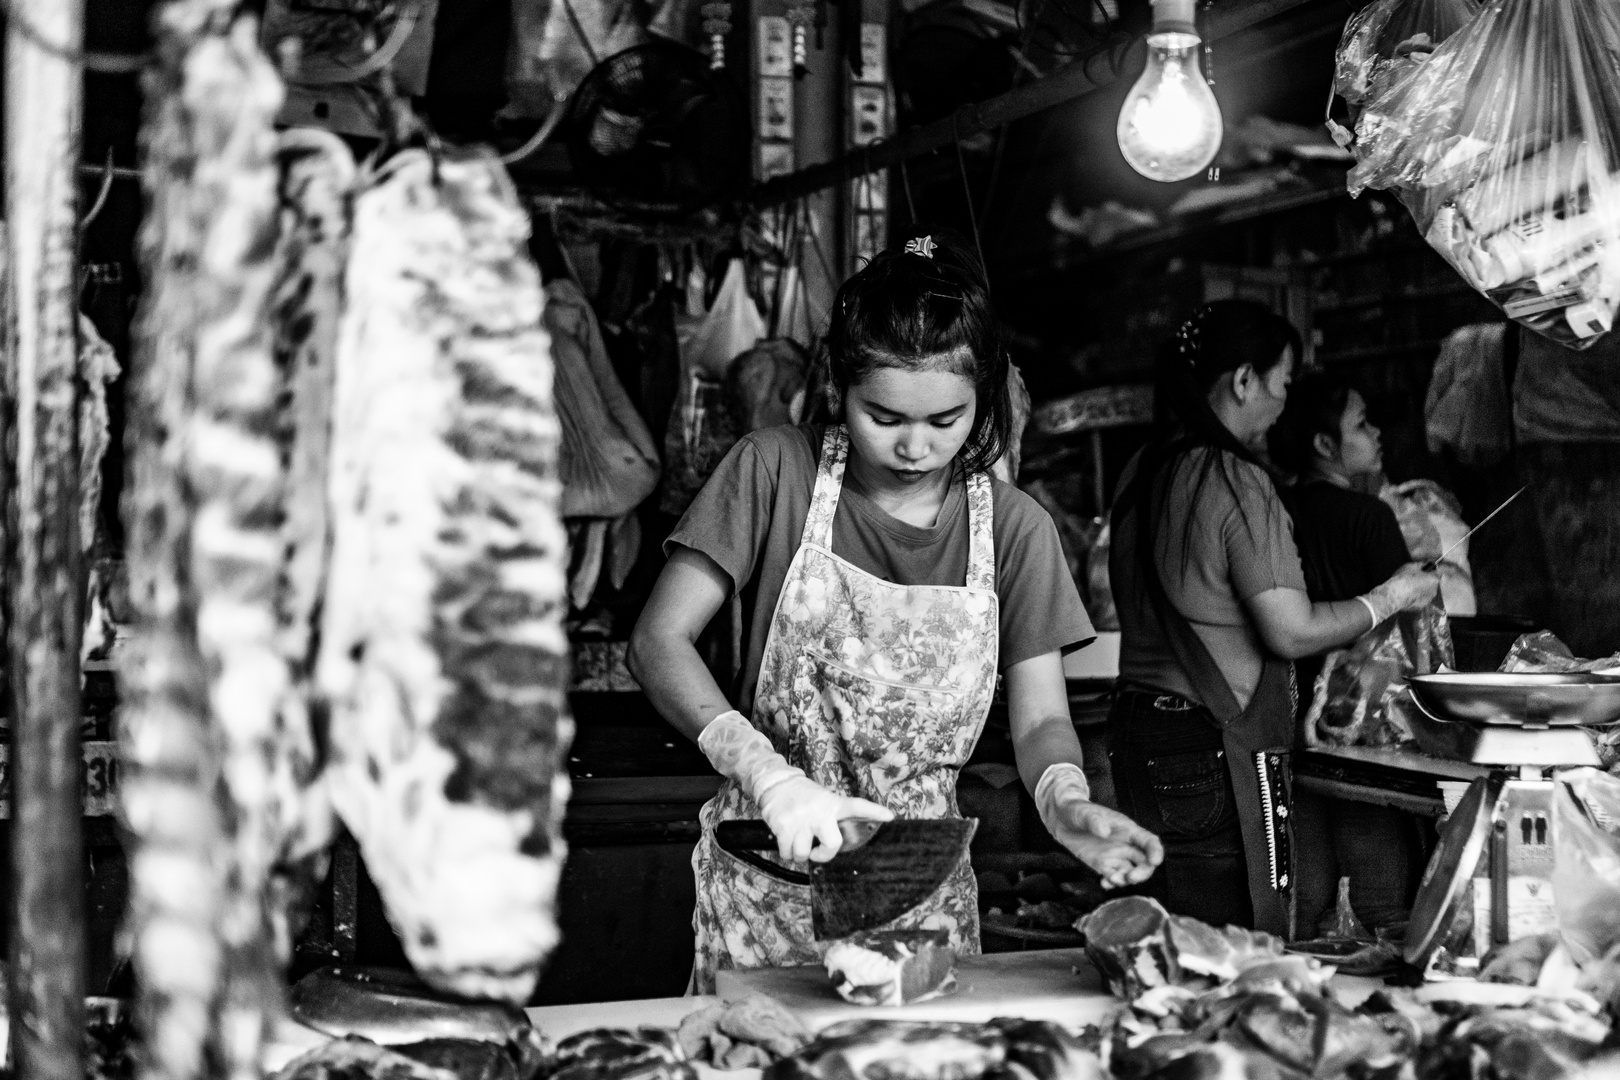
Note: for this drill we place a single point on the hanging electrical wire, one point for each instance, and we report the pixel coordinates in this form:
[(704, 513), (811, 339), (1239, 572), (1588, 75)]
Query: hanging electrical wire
[(967, 194)]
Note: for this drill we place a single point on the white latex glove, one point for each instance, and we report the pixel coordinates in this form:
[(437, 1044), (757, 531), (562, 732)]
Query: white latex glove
[(803, 814), (1409, 588), (1117, 848)]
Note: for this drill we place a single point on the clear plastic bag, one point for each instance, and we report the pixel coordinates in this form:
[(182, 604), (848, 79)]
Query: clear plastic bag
[(1432, 525), (1505, 144), (1358, 698), (1586, 861), (1381, 39), (702, 424)]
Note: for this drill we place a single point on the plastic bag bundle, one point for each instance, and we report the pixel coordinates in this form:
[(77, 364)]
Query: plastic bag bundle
[(1586, 861), (1505, 144), (1432, 525), (1359, 699), (702, 424), (1387, 38)]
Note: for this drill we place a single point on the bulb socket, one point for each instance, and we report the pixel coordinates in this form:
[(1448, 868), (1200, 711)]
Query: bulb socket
[(1174, 17)]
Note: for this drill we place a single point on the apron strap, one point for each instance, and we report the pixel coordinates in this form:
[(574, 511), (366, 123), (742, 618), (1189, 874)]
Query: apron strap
[(1256, 740), (981, 568), (818, 524)]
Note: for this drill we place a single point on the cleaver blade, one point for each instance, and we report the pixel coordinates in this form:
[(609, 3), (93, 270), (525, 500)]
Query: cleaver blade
[(883, 870)]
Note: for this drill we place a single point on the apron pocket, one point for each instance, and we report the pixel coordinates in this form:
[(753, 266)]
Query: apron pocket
[(1191, 790)]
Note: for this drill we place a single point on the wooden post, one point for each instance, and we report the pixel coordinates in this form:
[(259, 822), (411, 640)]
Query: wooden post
[(42, 126)]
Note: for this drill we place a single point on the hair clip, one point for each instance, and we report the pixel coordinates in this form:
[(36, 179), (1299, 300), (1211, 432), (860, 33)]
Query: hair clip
[(923, 245)]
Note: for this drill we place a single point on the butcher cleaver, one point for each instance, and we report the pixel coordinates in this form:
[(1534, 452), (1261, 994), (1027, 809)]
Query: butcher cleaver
[(883, 870)]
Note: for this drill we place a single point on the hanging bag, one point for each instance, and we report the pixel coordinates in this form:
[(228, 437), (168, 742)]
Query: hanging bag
[(1505, 144), (701, 426)]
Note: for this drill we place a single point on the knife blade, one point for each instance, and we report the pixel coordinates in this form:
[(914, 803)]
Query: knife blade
[(1435, 564), (883, 870)]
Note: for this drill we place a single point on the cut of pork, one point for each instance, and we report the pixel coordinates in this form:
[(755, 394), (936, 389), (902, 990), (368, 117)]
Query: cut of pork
[(443, 653)]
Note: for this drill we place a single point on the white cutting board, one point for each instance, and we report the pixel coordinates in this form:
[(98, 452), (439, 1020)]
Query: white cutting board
[(1059, 985)]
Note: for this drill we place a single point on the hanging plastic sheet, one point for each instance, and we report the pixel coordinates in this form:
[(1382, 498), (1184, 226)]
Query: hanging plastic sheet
[(702, 426), (1432, 524), (1586, 861), (608, 461), (1504, 143), (1387, 36), (555, 44)]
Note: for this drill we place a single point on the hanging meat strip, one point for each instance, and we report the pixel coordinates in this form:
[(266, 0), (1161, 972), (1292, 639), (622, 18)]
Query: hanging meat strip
[(317, 173), (442, 646), (204, 679)]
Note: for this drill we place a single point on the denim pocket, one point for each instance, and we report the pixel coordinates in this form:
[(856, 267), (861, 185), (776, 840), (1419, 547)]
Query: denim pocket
[(1191, 791)]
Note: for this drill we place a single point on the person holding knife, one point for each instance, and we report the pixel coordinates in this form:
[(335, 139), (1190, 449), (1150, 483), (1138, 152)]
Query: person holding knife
[(886, 582)]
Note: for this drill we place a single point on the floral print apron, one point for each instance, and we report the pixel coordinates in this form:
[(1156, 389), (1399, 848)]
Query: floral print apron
[(875, 690)]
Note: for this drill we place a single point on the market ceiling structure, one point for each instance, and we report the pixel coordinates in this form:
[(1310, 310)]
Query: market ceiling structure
[(1092, 72)]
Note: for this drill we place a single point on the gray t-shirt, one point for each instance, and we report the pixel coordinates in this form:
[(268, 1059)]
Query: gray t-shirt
[(1236, 549), (749, 519)]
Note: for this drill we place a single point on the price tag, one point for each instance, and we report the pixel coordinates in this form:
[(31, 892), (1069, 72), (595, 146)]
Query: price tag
[(100, 781)]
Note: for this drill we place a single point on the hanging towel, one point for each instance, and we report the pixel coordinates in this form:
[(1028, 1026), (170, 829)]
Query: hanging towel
[(1467, 409)]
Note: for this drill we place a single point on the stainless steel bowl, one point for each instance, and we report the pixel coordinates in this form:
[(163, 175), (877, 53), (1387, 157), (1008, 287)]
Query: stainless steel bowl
[(1520, 700)]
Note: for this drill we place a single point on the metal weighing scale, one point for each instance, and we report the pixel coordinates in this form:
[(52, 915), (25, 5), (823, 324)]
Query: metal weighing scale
[(1492, 870)]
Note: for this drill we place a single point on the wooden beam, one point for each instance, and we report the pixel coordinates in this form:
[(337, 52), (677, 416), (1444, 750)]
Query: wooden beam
[(43, 127), (1092, 72)]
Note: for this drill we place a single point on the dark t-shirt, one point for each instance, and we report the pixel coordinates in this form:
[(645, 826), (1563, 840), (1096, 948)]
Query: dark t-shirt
[(1349, 544), (749, 518)]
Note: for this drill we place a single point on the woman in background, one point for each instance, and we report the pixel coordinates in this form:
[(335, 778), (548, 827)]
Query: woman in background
[(1212, 607), (1348, 543)]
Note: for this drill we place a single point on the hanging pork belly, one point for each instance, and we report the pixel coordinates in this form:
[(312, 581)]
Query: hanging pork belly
[(218, 766), (317, 174), (442, 649)]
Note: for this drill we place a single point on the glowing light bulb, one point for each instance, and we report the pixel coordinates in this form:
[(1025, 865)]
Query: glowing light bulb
[(1170, 126)]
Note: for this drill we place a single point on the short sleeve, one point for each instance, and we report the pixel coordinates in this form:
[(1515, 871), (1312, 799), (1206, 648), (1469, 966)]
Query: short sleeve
[(1041, 610), (1384, 544), (1259, 536), (731, 516)]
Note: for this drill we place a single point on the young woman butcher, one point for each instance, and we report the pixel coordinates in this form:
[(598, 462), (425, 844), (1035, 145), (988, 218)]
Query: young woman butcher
[(886, 581), (1212, 608)]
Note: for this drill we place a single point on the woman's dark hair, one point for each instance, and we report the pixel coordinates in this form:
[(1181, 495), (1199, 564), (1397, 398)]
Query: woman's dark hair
[(926, 312), (1316, 405), (1218, 339)]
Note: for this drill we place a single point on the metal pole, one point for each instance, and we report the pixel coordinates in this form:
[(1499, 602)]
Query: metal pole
[(1093, 72), (43, 114)]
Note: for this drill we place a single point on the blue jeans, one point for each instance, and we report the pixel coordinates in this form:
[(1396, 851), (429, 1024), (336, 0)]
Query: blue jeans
[(1170, 777), (1371, 845)]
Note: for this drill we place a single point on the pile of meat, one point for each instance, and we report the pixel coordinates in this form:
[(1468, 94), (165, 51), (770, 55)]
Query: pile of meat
[(1003, 1049), (892, 967), (346, 566), (749, 1033), (1207, 1003), (1141, 948)]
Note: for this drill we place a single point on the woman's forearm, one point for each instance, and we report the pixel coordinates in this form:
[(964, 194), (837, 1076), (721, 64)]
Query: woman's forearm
[(1045, 743), (663, 655), (1292, 626), (1038, 715), (676, 680)]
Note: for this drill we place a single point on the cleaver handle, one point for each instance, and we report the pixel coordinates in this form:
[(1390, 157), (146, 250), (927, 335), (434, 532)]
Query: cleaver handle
[(735, 836), (745, 839), (742, 835)]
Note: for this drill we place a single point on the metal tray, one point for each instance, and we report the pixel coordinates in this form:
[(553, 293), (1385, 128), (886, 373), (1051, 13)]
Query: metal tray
[(1519, 700)]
